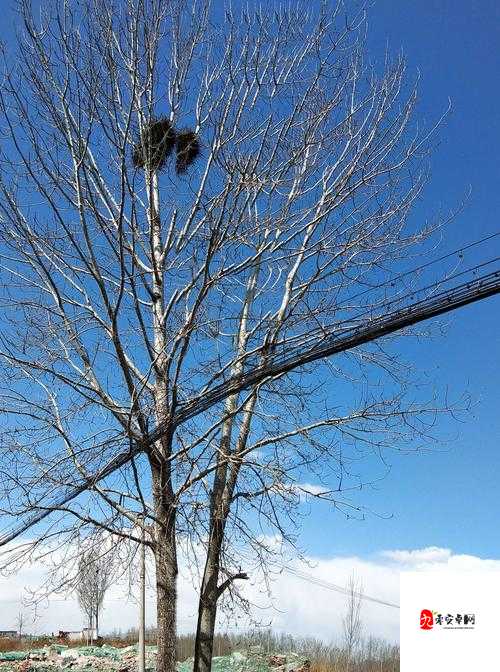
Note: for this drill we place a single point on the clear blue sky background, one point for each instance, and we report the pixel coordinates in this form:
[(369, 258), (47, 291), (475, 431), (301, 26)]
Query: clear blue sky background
[(445, 498), (452, 498)]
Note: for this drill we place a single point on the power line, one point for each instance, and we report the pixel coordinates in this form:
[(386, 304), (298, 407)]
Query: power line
[(335, 588), (440, 303), (310, 578), (416, 269), (342, 327), (351, 337), (413, 271)]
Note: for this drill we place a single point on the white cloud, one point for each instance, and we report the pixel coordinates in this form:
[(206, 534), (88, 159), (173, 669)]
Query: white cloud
[(419, 557), (436, 558), (300, 607)]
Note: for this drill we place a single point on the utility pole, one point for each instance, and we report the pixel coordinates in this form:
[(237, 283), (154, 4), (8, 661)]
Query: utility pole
[(96, 625), (141, 657)]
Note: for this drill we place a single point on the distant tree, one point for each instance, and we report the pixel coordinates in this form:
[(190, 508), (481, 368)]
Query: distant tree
[(94, 577), (351, 622), (20, 622)]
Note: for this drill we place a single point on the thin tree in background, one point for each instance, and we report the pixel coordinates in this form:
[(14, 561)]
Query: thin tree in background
[(187, 193), (351, 622), (20, 621), (94, 577)]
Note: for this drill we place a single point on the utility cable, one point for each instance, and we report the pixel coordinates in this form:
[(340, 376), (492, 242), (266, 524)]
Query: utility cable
[(338, 589), (469, 292)]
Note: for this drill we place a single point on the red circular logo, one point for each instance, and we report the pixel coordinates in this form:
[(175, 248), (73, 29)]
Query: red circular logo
[(426, 619)]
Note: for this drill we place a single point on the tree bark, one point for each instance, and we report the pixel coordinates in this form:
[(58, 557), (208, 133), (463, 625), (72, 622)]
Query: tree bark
[(163, 496), (207, 609), (205, 637), (165, 552), (166, 598)]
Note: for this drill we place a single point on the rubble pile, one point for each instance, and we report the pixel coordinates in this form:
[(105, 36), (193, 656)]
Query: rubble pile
[(81, 659), (110, 659), (253, 661)]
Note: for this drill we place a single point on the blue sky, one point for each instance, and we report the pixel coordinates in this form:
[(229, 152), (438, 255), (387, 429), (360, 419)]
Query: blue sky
[(449, 496)]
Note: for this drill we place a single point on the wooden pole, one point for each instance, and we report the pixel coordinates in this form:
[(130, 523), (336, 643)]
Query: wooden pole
[(142, 606)]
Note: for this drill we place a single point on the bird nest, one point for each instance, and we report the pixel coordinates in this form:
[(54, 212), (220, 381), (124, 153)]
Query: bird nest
[(157, 142), (187, 150)]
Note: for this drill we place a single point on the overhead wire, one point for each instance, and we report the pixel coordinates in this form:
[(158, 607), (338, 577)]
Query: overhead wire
[(392, 301), (336, 588), (353, 336), (466, 293), (416, 269)]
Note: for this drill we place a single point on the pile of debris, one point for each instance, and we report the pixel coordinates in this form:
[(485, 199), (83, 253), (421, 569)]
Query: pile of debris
[(83, 658), (110, 659), (253, 660)]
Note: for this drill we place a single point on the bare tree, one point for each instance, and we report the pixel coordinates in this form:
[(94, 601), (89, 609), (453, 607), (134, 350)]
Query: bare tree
[(351, 622), (186, 195), (95, 573), (20, 620)]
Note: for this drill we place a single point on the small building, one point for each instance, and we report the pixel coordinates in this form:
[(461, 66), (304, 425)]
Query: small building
[(71, 635), (85, 634), (89, 634)]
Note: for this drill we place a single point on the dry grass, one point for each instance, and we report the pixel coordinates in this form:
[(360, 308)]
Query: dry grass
[(121, 643), (16, 644), (321, 666), (7, 644)]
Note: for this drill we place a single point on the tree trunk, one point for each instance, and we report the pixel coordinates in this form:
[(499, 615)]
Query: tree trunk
[(207, 605), (165, 552), (166, 599), (205, 636), (163, 496), (207, 613)]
